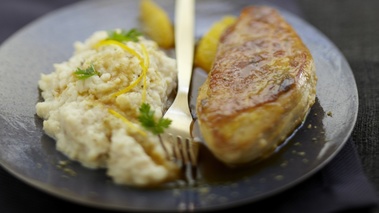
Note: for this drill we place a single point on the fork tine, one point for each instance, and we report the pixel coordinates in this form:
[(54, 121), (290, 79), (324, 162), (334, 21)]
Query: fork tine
[(182, 146), (179, 150), (184, 152), (166, 147), (191, 149), (188, 159)]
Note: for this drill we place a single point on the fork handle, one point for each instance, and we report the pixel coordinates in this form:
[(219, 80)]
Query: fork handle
[(184, 43)]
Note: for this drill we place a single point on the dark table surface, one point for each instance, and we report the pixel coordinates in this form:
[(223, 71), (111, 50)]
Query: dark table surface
[(352, 25), (354, 29)]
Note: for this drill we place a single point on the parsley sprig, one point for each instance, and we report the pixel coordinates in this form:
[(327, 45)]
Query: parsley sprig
[(123, 35), (148, 121), (85, 73)]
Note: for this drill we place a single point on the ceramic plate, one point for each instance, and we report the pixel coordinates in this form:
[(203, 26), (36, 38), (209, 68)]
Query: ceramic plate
[(30, 155)]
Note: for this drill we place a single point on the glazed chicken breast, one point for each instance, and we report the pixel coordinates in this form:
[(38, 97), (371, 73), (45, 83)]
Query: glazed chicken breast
[(261, 86)]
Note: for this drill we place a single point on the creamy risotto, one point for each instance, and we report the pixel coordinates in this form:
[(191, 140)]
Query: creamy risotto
[(91, 107)]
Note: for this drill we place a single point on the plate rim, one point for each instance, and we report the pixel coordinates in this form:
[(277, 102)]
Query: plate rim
[(42, 186)]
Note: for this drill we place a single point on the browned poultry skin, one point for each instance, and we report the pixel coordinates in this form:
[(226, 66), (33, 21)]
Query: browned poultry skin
[(259, 89)]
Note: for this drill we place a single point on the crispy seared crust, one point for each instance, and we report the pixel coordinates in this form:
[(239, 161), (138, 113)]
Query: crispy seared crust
[(260, 88)]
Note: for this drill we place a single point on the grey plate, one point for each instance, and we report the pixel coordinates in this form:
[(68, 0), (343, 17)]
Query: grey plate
[(31, 156)]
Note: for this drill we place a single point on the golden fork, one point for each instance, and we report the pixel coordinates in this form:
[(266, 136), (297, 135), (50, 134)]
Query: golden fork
[(177, 139)]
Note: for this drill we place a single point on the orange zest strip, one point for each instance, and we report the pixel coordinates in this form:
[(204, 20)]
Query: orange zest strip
[(119, 44), (125, 120), (144, 63), (144, 71), (128, 88)]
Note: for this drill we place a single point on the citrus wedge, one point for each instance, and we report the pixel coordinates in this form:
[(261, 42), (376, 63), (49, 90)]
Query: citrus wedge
[(207, 46), (156, 24)]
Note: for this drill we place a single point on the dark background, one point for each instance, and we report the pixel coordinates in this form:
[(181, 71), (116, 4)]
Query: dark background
[(352, 25)]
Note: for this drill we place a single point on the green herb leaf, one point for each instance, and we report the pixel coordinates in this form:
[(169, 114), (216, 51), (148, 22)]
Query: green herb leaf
[(148, 121), (123, 35), (84, 74)]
